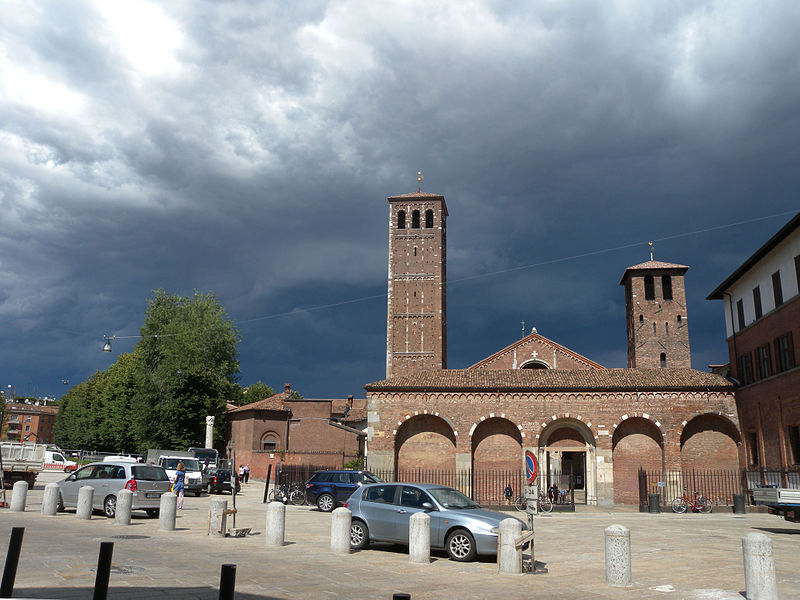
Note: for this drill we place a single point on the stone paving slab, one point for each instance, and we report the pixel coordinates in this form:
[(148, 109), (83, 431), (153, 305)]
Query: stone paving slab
[(693, 557)]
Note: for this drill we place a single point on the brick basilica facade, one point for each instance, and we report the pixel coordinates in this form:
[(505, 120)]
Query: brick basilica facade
[(574, 414)]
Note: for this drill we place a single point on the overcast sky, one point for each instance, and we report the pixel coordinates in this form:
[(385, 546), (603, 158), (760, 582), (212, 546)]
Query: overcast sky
[(248, 148)]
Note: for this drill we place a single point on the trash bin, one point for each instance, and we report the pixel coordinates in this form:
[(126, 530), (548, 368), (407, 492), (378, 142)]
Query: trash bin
[(738, 504), (654, 503)]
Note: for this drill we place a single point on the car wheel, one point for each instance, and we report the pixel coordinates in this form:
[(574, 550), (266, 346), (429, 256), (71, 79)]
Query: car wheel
[(359, 535), (461, 546), (198, 493), (326, 503), (60, 503), (110, 506), (210, 489), (152, 512)]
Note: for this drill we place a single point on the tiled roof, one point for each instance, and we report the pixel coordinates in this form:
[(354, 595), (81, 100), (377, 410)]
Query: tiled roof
[(31, 408), (553, 380), (358, 412), (653, 264), (272, 403)]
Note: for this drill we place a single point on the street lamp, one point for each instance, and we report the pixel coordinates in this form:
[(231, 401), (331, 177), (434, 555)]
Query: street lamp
[(108, 338)]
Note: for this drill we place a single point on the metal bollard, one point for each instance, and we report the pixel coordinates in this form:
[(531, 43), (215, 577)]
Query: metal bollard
[(227, 581), (419, 538), (50, 501), (103, 571), (341, 519), (509, 559), (759, 569), (85, 500), (167, 509), (618, 556), (218, 519), (12, 560), (276, 524), (738, 504), (122, 516), (18, 496)]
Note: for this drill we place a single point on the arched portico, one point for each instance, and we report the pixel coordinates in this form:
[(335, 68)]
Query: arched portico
[(567, 445), (425, 441)]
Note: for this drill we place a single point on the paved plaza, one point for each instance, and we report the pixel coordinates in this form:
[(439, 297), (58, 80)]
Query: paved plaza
[(674, 557)]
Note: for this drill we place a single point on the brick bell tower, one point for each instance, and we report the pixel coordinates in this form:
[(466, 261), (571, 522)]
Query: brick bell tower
[(416, 328), (655, 304)]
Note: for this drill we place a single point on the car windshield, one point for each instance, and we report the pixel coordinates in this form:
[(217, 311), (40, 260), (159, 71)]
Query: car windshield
[(450, 498), (191, 464)]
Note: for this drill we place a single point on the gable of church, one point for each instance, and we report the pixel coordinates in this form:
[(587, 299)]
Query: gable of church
[(535, 351)]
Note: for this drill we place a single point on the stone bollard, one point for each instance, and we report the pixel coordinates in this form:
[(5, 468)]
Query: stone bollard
[(419, 538), (276, 524), (618, 556), (167, 510), (19, 496), (122, 516), (341, 519), (759, 569), (509, 559), (85, 499), (218, 520), (50, 501)]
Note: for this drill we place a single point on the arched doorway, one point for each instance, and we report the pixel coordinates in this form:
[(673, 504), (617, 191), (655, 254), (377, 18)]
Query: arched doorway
[(424, 441), (637, 444), (567, 453), (496, 460)]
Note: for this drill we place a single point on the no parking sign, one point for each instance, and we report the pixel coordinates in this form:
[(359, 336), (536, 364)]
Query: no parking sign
[(531, 467)]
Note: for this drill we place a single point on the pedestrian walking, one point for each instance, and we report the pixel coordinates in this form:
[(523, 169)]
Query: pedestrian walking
[(178, 484), (247, 472), (508, 493)]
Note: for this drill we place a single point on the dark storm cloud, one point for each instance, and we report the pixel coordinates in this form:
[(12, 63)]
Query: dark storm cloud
[(248, 148)]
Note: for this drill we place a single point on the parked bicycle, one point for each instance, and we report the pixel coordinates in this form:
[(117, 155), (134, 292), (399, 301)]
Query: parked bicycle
[(543, 503), (286, 493), (698, 503)]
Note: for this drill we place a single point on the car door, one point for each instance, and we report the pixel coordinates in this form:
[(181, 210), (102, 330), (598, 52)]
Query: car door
[(343, 486), (380, 511), (100, 480), (70, 486), (410, 502)]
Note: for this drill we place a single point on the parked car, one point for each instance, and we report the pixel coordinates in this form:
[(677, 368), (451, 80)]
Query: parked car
[(193, 481), (147, 482), (329, 489), (381, 513), (55, 460), (219, 480)]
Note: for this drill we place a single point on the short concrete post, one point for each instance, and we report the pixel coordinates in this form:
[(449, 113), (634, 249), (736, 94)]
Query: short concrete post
[(618, 556), (759, 569), (218, 520), (85, 499), (50, 501), (419, 538), (167, 510), (276, 524), (19, 496), (509, 558), (122, 516), (341, 519)]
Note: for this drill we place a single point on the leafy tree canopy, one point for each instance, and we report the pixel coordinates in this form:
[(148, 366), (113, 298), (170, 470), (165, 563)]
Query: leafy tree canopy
[(254, 393)]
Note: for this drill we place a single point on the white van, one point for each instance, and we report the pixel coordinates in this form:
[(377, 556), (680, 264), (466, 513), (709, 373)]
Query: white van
[(54, 460)]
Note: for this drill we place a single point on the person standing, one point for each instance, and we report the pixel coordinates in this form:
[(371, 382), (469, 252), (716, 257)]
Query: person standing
[(247, 473), (508, 492), (179, 483)]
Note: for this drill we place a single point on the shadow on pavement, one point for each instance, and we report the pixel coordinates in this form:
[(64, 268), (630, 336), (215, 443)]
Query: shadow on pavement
[(193, 593), (779, 530)]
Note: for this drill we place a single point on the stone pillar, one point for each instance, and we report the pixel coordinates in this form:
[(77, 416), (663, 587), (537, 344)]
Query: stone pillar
[(618, 556), (464, 465), (341, 519), (85, 499), (218, 521), (19, 496), (419, 538), (167, 510), (759, 569), (276, 524), (509, 559), (50, 501), (122, 516), (604, 478), (210, 431)]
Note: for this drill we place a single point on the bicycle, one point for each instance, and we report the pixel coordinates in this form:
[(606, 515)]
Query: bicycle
[(543, 503), (288, 493), (698, 504)]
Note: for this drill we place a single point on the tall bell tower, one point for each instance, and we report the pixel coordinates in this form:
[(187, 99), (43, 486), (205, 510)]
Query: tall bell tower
[(416, 328)]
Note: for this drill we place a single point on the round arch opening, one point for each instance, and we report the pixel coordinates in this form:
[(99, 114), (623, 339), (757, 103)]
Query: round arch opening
[(424, 441)]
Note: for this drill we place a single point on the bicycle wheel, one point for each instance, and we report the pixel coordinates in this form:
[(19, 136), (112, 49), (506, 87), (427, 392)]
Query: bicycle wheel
[(704, 505), (679, 505), (545, 504), (297, 497), (521, 503), (276, 495)]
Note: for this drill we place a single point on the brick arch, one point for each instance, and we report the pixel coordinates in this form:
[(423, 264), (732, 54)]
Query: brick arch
[(425, 440), (535, 363), (550, 430), (637, 443), (647, 416), (496, 445), (709, 441)]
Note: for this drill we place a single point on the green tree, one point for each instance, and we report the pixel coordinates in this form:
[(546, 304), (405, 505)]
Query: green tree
[(254, 393)]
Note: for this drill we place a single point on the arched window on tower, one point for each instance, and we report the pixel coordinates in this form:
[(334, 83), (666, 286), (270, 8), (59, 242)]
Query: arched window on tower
[(641, 318), (415, 220), (680, 318), (428, 219), (666, 327), (401, 219), (649, 288), (270, 441), (663, 360), (666, 287), (654, 327)]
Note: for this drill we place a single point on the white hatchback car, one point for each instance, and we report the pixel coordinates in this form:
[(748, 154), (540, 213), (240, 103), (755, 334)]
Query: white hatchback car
[(147, 482)]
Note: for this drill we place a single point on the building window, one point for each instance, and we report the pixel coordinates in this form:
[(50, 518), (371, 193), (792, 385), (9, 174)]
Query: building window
[(401, 219), (794, 442), (784, 352), (666, 328), (740, 313), (28, 419), (270, 442), (415, 220), (641, 318), (666, 287), (654, 328), (649, 288), (680, 318), (745, 369), (757, 301), (429, 218), (663, 360), (27, 427), (777, 290), (752, 444), (764, 362)]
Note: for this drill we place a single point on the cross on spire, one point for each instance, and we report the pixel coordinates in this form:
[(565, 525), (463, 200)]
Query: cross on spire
[(651, 249), (419, 181)]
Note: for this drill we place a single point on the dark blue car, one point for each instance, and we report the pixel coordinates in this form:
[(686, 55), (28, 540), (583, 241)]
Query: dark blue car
[(329, 489)]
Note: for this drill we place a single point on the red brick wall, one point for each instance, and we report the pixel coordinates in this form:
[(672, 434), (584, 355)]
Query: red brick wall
[(426, 442), (497, 445), (709, 442), (636, 445)]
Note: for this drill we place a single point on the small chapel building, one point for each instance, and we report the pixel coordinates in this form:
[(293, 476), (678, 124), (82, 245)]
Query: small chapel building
[(602, 425)]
